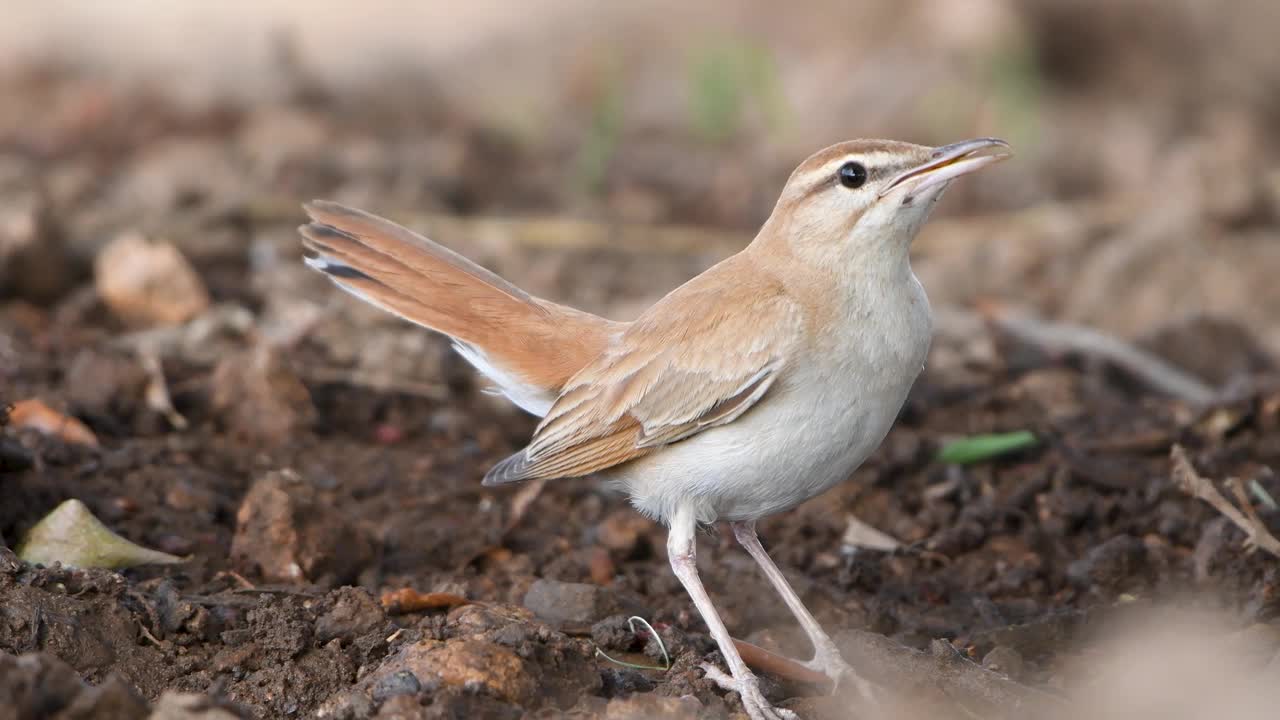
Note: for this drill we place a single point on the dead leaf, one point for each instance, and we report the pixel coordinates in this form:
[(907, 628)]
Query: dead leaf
[(407, 600), (34, 414), (72, 536)]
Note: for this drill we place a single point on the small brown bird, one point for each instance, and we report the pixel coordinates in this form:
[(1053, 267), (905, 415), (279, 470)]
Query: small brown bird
[(751, 388)]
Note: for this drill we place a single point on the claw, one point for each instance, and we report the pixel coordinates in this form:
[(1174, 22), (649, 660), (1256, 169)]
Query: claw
[(748, 688)]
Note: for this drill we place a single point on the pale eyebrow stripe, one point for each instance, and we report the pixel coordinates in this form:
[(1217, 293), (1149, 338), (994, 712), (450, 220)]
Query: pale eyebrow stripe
[(827, 177)]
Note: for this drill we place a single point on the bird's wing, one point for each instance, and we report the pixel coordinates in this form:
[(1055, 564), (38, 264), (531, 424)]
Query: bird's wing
[(698, 359)]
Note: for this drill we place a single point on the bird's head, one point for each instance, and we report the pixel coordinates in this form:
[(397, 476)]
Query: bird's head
[(865, 197)]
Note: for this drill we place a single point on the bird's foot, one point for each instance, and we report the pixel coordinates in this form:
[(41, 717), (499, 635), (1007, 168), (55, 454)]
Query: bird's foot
[(748, 688), (827, 661)]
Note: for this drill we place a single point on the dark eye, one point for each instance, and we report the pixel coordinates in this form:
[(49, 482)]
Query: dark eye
[(853, 175)]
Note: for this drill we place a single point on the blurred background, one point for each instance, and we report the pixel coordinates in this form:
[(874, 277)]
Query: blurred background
[(177, 369), (1144, 190)]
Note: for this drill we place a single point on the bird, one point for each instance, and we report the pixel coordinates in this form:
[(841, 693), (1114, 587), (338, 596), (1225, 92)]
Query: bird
[(751, 388)]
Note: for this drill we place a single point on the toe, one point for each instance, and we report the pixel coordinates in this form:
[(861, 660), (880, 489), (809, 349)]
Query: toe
[(719, 677), (753, 701)]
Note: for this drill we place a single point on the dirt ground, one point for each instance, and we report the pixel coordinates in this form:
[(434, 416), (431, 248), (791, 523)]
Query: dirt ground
[(319, 457)]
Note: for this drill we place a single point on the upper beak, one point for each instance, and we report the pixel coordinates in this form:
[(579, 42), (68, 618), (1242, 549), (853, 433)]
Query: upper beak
[(950, 162)]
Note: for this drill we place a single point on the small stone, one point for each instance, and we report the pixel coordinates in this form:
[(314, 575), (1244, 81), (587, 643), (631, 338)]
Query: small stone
[(500, 672), (148, 284), (570, 603), (402, 682), (289, 532), (614, 633), (476, 665), (479, 619), (354, 613)]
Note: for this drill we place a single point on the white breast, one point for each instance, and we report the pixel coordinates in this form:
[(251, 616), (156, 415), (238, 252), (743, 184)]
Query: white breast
[(832, 408)]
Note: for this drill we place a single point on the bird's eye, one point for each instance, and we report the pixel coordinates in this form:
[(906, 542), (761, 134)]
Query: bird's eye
[(852, 174)]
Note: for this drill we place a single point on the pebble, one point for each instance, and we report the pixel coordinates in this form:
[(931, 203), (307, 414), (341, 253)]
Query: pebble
[(401, 682), (570, 603), (148, 284), (289, 532)]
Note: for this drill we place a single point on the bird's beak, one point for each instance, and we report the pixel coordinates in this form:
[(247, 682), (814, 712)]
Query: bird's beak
[(950, 162)]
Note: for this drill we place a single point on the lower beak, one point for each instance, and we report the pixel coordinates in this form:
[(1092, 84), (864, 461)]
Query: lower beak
[(950, 162)]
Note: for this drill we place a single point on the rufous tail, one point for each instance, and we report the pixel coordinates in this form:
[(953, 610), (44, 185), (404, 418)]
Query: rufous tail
[(528, 346)]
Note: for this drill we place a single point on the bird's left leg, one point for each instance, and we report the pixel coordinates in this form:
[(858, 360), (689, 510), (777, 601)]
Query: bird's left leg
[(826, 657)]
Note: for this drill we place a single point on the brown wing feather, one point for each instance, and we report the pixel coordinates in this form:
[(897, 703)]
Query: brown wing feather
[(700, 358), (540, 342)]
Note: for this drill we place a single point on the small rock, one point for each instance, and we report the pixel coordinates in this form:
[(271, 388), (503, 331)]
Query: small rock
[(148, 284), (402, 682), (471, 663), (259, 397), (477, 620), (291, 533), (570, 603), (614, 633), (464, 664), (354, 613)]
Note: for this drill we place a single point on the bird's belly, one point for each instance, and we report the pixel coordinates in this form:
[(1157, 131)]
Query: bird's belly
[(772, 459)]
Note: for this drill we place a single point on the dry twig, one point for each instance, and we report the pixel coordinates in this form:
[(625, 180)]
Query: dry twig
[(1061, 337), (1245, 518), (407, 600)]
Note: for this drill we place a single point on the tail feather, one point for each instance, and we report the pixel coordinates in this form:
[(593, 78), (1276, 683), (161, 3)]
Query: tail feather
[(529, 347)]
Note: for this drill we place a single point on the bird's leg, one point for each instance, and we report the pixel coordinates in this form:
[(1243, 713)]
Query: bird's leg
[(826, 657), (682, 552)]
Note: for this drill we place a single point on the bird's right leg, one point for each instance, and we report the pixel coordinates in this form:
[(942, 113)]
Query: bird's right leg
[(682, 552)]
